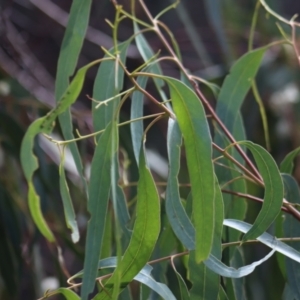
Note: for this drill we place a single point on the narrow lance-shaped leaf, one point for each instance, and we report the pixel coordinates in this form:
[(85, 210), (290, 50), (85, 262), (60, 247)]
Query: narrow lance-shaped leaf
[(236, 86), (28, 159), (177, 216), (137, 111), (273, 190), (68, 57), (206, 282), (145, 231), (99, 189), (194, 128), (291, 229)]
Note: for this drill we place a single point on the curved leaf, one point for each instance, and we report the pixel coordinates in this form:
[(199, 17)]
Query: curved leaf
[(45, 125), (99, 189), (273, 190), (144, 276), (145, 231), (194, 127), (266, 239), (287, 165)]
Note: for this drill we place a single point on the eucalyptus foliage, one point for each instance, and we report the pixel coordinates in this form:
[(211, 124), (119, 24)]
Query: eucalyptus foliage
[(151, 227)]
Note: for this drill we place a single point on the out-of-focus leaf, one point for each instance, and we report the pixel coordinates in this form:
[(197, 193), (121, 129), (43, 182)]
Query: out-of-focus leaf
[(273, 190), (67, 61), (68, 205), (213, 9), (104, 87), (266, 239), (222, 295), (28, 159), (145, 231), (99, 189), (291, 229), (137, 111), (194, 127), (193, 34), (177, 216), (287, 164)]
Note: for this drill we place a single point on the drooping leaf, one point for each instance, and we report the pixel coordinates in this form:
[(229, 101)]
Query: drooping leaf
[(137, 111), (145, 231), (194, 127), (177, 216), (291, 229), (67, 61), (45, 125), (99, 189), (273, 190), (287, 164), (266, 239)]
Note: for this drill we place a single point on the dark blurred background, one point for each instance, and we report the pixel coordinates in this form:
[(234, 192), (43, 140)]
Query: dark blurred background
[(211, 36)]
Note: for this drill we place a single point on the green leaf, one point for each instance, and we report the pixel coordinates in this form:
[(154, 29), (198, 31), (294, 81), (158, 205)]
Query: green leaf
[(236, 86), (67, 61), (30, 164), (137, 111), (99, 189), (68, 294), (147, 53), (68, 205), (287, 165), (273, 190), (45, 125), (107, 77), (184, 293), (177, 216), (198, 145), (206, 282), (145, 231), (291, 229)]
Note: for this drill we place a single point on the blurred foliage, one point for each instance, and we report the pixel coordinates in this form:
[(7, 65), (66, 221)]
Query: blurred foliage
[(211, 35)]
